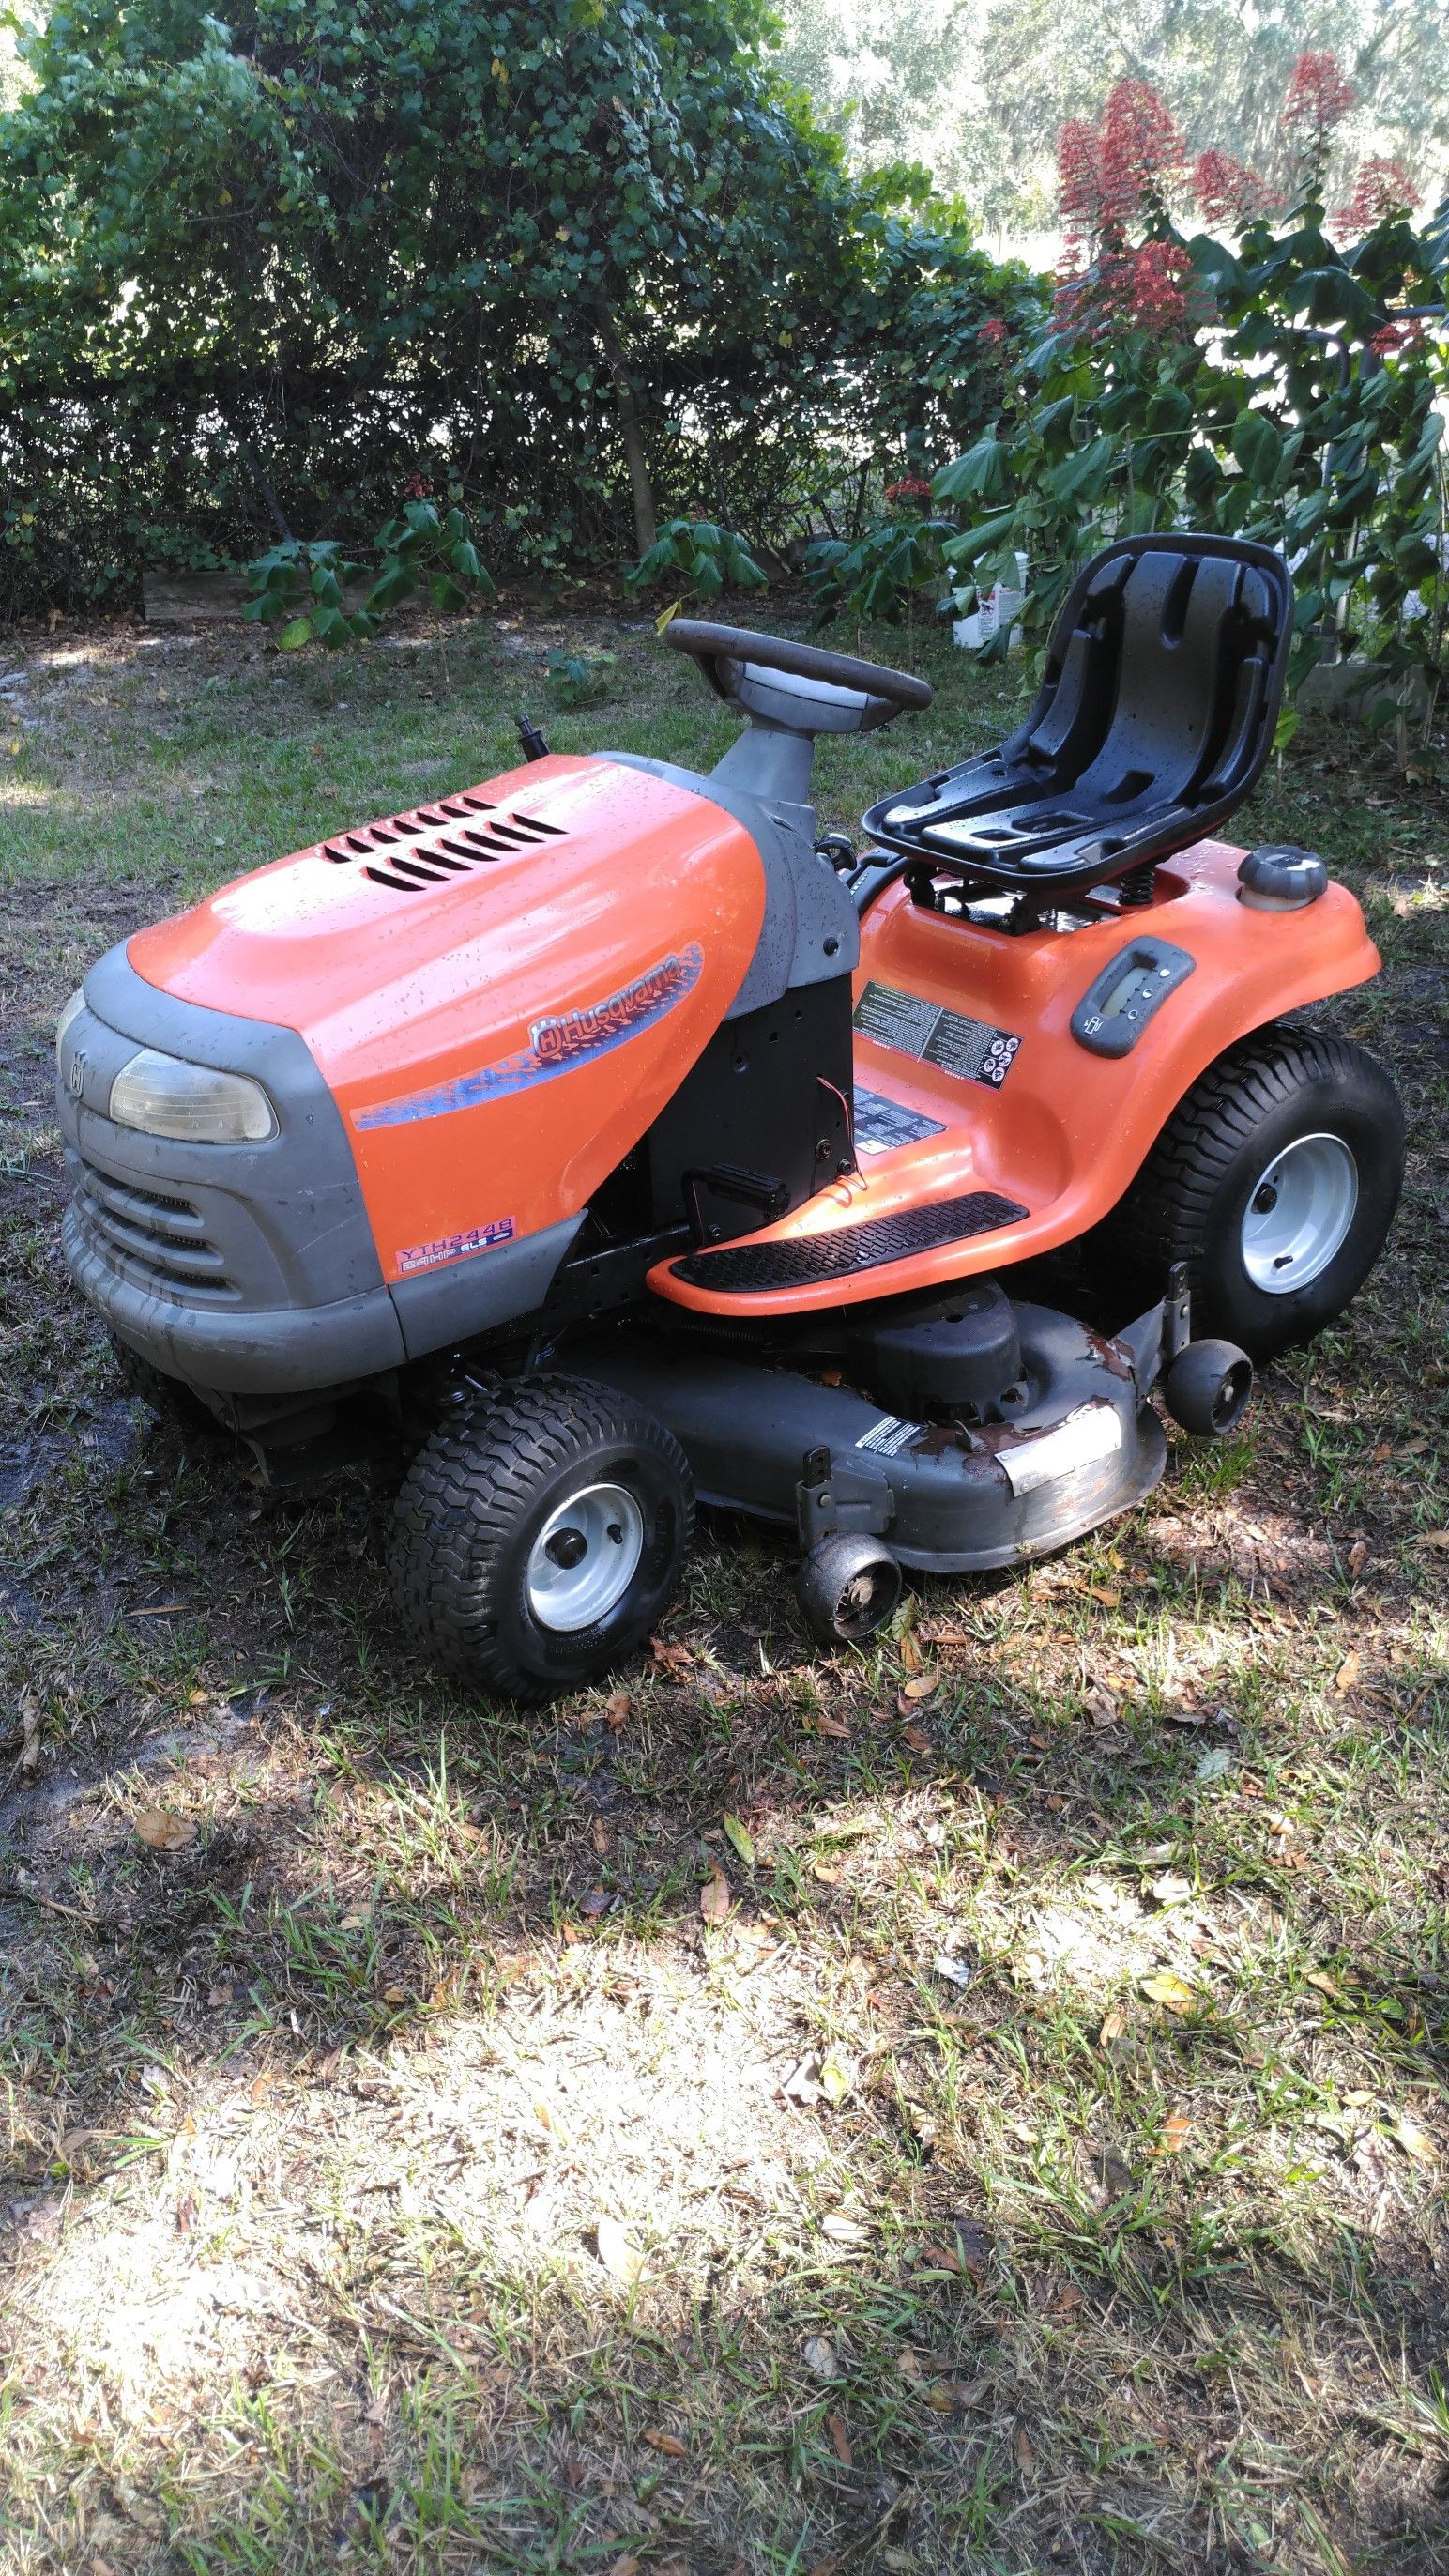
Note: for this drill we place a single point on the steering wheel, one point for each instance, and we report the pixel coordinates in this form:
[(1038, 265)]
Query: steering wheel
[(847, 695)]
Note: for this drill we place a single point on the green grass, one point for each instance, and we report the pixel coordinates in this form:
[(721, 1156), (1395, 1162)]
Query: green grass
[(1121, 2244)]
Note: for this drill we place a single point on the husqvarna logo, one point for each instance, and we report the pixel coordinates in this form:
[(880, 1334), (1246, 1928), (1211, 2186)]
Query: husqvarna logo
[(556, 1045), (75, 1074)]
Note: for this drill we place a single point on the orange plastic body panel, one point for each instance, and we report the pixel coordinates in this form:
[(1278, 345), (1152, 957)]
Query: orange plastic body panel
[(497, 1038), (1068, 1129)]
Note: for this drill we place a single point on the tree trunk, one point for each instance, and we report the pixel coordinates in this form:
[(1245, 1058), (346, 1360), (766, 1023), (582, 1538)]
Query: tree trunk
[(640, 491)]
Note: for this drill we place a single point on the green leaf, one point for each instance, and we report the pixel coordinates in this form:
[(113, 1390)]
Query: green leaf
[(1257, 447), (292, 637), (740, 1838)]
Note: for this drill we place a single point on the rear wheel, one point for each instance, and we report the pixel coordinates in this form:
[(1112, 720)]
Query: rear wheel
[(537, 1539), (1275, 1181)]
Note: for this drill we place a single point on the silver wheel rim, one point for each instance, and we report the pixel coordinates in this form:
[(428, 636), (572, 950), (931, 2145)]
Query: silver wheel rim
[(584, 1558), (1299, 1212)]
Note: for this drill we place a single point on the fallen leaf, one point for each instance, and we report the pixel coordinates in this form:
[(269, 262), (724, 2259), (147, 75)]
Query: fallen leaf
[(821, 2358), (394, 1994), (1114, 2022), (669, 2443), (1100, 1706), (953, 2396), (31, 1715), (909, 2362), (917, 1738), (714, 1897), (1416, 2142), (957, 1972), (1185, 1716), (942, 2258), (920, 1685), (668, 1658), (840, 2229), (1434, 1538), (1347, 1673), (739, 1836), (628, 2565), (160, 1830), (827, 1876), (1172, 1992), (1326, 1984), (600, 1836), (834, 2081), (840, 2440), (1358, 1557), (1025, 2454), (619, 2257), (598, 1901), (617, 1711), (822, 1723), (1106, 1593), (1171, 1888), (1174, 2134), (911, 1655)]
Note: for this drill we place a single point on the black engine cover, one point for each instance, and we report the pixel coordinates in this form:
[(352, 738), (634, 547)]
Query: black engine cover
[(956, 1354)]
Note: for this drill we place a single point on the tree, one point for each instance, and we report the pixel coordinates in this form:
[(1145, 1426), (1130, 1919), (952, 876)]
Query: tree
[(262, 269)]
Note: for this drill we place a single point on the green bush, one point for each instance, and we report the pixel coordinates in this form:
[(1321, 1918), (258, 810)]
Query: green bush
[(575, 261), (1283, 389)]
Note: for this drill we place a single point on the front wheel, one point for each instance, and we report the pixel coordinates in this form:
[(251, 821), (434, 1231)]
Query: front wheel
[(1275, 1181), (538, 1538)]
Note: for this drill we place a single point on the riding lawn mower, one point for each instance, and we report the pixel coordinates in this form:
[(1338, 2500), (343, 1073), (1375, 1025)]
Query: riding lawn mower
[(599, 1138)]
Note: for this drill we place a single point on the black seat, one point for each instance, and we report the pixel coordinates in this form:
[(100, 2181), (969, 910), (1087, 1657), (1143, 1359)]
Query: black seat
[(1154, 718)]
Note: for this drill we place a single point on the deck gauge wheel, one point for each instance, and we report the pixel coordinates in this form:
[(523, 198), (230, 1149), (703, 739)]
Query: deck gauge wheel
[(539, 1536), (848, 1586)]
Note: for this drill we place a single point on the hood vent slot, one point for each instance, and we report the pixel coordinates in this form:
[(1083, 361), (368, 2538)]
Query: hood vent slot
[(438, 842)]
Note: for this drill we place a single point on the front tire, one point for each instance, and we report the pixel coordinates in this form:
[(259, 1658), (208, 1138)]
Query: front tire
[(1275, 1181), (538, 1538)]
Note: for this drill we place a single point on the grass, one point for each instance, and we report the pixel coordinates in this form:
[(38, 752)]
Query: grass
[(1042, 2163)]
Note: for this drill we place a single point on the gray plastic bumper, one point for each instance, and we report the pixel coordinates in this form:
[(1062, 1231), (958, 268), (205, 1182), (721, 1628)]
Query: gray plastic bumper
[(249, 1269)]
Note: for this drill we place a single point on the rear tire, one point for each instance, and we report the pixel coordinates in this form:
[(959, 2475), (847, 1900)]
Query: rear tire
[(1275, 1181), (538, 1538)]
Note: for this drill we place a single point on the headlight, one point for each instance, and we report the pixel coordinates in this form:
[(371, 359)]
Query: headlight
[(164, 1097), (76, 1003)]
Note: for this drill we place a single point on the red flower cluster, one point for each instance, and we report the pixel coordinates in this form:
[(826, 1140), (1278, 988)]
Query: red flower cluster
[(1142, 156), (416, 489), (993, 335), (1149, 289), (1381, 188), (1108, 175), (910, 488), (1228, 192), (1079, 184), (1402, 335), (1318, 97)]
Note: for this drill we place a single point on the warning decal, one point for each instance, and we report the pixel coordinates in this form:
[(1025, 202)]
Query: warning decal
[(881, 1124), (970, 1049)]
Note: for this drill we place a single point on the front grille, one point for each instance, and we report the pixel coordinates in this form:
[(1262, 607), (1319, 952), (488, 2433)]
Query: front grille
[(439, 841), (809, 1260), (155, 1241)]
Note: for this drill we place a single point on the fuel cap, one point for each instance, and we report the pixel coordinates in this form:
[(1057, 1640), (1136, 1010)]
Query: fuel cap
[(1280, 877)]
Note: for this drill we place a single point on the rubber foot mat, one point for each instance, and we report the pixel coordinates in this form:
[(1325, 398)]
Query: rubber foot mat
[(740, 1269)]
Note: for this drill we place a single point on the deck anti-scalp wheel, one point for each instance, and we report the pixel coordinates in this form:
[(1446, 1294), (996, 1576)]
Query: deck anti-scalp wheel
[(1276, 1181), (539, 1535), (848, 1586)]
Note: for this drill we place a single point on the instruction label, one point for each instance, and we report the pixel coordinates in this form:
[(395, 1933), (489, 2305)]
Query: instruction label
[(881, 1124), (970, 1049), (889, 1435), (1091, 1433)]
